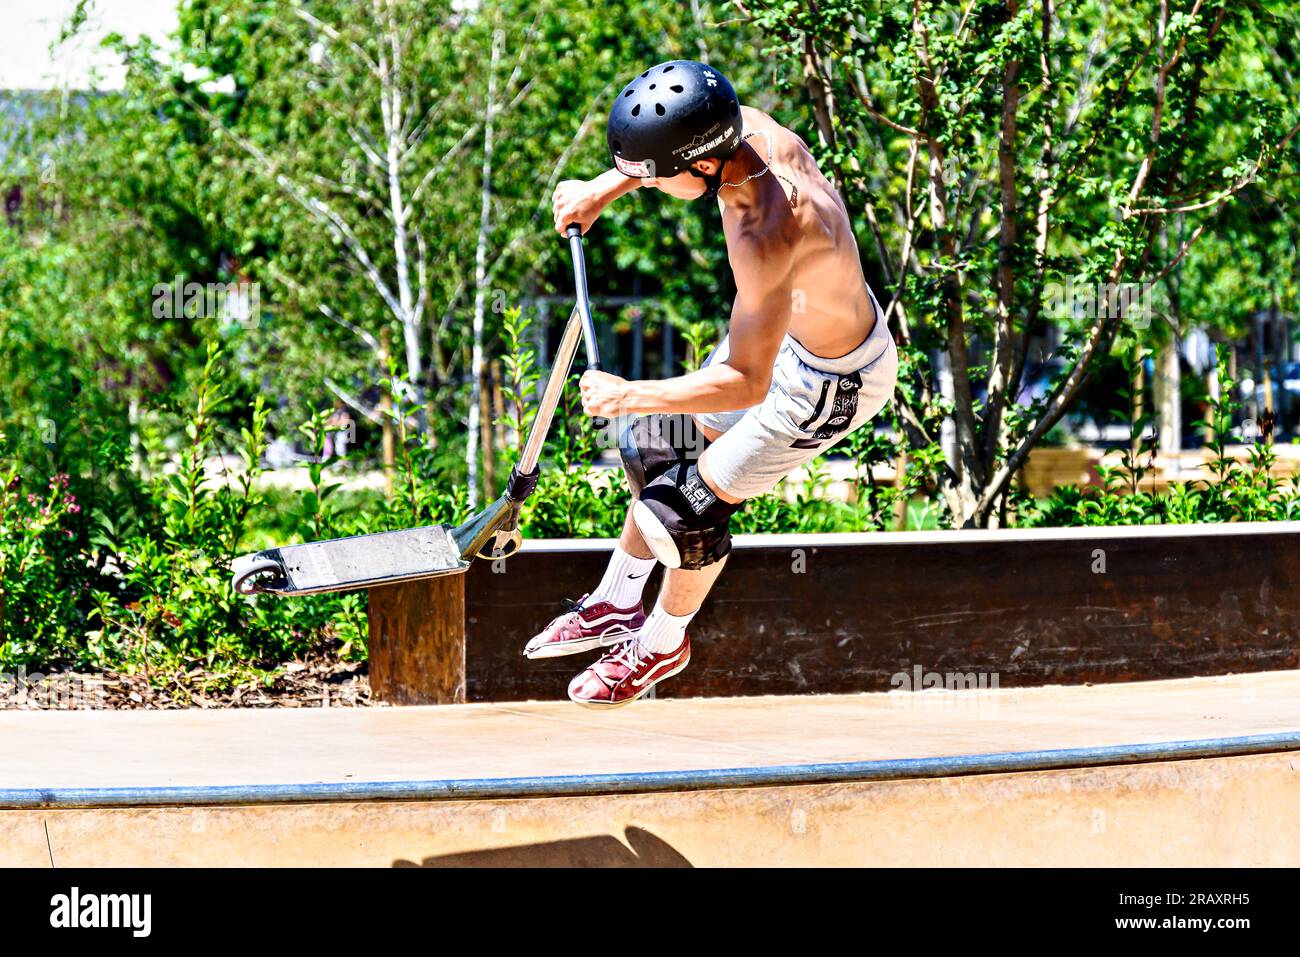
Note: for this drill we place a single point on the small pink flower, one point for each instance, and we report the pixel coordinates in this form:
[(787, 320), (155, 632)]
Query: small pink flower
[(74, 509)]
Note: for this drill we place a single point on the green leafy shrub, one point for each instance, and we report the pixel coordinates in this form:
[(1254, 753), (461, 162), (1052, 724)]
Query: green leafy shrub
[(171, 607), (42, 570), (1233, 490)]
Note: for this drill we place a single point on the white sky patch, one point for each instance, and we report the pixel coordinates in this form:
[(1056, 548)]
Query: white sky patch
[(30, 26)]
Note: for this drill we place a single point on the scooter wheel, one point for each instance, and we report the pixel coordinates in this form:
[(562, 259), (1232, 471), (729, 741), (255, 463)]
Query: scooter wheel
[(250, 573), (503, 545)]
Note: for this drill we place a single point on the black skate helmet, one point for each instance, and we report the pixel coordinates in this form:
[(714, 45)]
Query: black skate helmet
[(672, 115)]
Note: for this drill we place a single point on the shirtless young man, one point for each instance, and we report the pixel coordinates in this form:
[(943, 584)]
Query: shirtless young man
[(805, 361)]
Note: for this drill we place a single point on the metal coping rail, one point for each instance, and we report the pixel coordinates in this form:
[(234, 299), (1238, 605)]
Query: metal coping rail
[(648, 781)]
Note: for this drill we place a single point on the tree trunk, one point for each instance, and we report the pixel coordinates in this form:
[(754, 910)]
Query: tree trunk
[(1169, 396), (1280, 339), (670, 350), (480, 280), (499, 406), (1211, 390), (1138, 387), (386, 414), (485, 411), (900, 480)]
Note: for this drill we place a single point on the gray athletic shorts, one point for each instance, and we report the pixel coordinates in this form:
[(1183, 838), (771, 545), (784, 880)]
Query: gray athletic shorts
[(812, 404)]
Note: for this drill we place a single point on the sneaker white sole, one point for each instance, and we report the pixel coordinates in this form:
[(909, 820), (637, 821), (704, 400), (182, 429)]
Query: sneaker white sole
[(611, 705), (561, 649)]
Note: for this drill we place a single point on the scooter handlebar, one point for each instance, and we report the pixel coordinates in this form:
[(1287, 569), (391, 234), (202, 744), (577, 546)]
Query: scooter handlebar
[(574, 234)]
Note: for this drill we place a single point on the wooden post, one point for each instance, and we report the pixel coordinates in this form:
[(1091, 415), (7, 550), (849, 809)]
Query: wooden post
[(417, 641)]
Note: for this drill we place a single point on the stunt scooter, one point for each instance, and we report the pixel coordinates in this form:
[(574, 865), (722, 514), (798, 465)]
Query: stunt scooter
[(365, 561)]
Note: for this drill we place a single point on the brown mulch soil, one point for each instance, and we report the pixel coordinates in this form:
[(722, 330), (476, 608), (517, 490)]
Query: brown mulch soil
[(312, 682)]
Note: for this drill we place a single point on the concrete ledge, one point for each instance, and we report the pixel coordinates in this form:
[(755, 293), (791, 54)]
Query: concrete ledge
[(1224, 812), (1190, 773), (1195, 772), (651, 781)]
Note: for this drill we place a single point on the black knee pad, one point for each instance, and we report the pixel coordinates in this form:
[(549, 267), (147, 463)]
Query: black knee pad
[(652, 444), (683, 522)]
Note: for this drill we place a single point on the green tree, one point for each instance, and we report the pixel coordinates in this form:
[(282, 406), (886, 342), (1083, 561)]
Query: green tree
[(997, 150)]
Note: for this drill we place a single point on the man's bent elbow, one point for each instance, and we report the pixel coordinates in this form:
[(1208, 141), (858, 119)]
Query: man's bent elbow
[(756, 389)]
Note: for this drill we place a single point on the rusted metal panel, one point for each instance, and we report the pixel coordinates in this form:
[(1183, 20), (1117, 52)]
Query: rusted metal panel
[(819, 614), (417, 641)]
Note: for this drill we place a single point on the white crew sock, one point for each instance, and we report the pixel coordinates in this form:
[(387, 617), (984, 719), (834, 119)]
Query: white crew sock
[(663, 633), (624, 580)]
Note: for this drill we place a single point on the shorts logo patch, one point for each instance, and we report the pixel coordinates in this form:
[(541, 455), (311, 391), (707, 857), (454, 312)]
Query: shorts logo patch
[(843, 407)]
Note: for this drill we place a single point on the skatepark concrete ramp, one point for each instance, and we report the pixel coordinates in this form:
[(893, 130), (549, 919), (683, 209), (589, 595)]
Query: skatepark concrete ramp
[(1201, 771)]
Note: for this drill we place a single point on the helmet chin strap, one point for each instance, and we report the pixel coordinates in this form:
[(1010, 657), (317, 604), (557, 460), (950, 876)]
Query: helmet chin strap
[(715, 182), (712, 183)]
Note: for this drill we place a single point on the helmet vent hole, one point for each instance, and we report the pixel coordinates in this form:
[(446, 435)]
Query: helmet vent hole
[(628, 92), (659, 108), (668, 68), (652, 86), (636, 110), (645, 74), (676, 88)]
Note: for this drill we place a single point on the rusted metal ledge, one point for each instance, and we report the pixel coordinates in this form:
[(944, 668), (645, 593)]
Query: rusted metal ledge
[(868, 612)]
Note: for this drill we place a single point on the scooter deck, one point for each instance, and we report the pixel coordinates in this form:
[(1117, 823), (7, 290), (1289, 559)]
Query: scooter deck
[(358, 561), (366, 561)]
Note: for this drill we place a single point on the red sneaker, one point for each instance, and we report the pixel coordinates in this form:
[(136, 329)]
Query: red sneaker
[(626, 673), (585, 627)]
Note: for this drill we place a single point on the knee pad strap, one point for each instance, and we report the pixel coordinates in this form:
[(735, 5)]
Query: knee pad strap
[(682, 521)]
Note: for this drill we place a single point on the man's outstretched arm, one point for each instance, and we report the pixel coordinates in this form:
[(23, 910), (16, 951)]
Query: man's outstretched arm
[(760, 318)]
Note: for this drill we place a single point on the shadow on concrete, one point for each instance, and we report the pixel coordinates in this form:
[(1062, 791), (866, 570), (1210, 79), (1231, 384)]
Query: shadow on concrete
[(642, 849)]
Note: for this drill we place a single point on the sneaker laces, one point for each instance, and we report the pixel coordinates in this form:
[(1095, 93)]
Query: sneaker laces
[(571, 607), (631, 654)]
